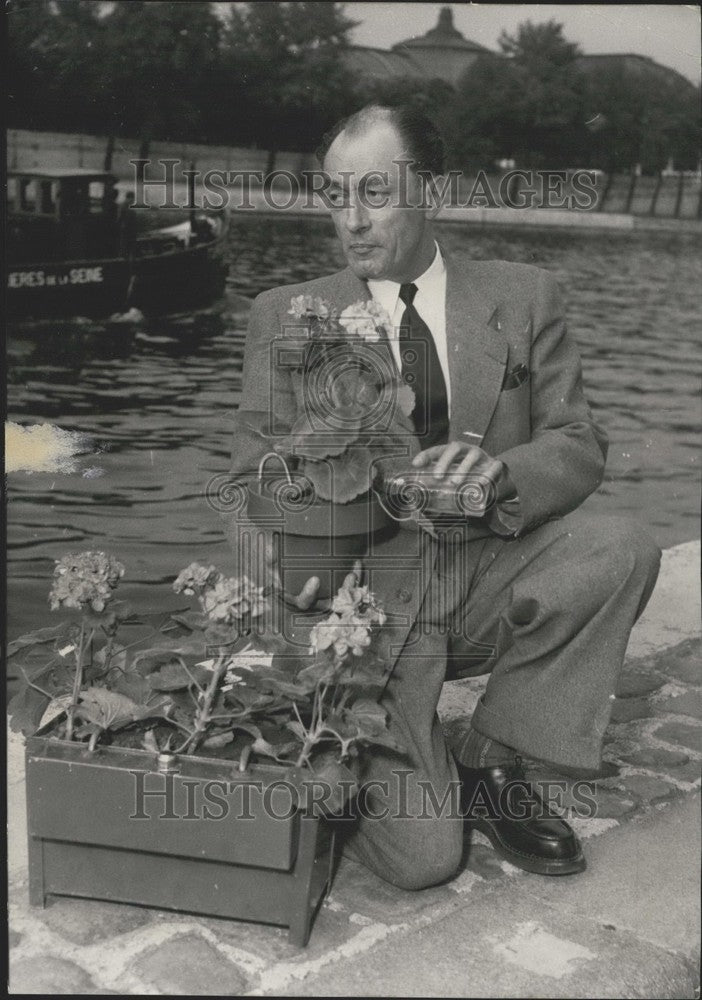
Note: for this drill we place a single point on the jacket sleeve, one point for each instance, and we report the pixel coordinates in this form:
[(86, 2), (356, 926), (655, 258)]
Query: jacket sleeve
[(565, 459), (266, 410)]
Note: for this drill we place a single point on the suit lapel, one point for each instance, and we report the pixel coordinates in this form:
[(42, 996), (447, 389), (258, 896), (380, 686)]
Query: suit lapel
[(477, 352), (351, 289), (477, 348)]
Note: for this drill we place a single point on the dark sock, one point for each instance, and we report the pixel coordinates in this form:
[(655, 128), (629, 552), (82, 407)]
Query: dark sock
[(475, 750)]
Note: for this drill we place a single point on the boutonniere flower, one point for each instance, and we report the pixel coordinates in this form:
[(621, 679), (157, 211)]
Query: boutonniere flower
[(367, 320), (310, 307)]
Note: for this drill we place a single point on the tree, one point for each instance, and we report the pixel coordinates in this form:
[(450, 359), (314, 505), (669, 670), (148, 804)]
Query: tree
[(156, 62), (128, 67), (52, 67), (641, 115), (525, 104), (284, 61), (540, 48), (433, 97), (487, 115)]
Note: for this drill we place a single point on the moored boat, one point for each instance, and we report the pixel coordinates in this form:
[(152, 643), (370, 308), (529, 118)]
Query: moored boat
[(73, 249)]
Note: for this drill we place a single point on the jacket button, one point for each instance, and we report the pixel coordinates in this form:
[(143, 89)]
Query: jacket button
[(404, 595)]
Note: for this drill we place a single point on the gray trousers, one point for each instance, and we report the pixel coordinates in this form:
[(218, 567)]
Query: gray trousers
[(552, 612)]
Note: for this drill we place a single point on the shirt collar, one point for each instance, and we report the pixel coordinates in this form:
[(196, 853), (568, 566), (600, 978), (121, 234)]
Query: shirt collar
[(387, 292)]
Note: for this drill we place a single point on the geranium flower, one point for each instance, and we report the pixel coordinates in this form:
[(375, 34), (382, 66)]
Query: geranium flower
[(231, 598), (223, 598), (342, 636), (194, 578), (308, 305), (348, 628), (85, 578), (365, 320), (349, 599)]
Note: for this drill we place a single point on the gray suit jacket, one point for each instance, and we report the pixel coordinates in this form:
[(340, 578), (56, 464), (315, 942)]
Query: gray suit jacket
[(499, 316)]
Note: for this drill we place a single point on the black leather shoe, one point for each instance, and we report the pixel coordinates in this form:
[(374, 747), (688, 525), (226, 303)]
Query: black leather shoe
[(500, 803)]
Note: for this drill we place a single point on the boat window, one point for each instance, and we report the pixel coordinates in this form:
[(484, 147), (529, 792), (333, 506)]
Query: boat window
[(28, 194), (73, 198), (97, 195), (47, 198), (11, 191)]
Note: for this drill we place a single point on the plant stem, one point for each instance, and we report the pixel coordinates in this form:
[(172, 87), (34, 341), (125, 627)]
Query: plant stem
[(244, 758), (202, 716), (77, 683), (316, 725), (299, 717), (305, 751), (36, 687)]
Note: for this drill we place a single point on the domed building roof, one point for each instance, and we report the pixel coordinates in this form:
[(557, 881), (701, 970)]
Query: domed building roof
[(443, 53), (443, 36)]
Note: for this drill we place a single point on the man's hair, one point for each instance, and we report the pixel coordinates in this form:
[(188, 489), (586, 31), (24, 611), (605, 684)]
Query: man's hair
[(424, 143)]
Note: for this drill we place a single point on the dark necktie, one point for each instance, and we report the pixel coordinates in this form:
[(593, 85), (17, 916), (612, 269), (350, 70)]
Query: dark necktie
[(421, 369)]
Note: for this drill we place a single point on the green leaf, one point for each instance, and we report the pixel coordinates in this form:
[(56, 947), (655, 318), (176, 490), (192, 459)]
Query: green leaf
[(370, 720), (132, 685), (38, 637), (125, 613), (222, 635), (218, 740), (320, 788), (307, 441), (365, 671), (382, 739), (342, 479), (297, 728), (26, 710), (107, 709), (248, 698), (146, 661), (173, 676), (118, 657), (368, 714), (322, 671), (279, 683), (342, 731), (248, 727), (192, 621), (274, 750)]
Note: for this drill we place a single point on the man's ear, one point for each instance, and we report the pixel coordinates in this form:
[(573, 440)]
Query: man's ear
[(434, 189)]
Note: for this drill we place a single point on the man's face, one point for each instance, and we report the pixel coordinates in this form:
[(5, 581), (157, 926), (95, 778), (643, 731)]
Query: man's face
[(382, 233)]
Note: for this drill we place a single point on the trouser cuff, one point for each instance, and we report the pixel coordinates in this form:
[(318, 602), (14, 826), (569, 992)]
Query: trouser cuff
[(547, 742)]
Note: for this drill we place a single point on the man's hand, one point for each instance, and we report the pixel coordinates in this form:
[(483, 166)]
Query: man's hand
[(453, 462), (306, 600)]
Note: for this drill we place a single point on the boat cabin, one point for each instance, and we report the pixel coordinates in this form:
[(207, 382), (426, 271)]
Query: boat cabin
[(62, 214)]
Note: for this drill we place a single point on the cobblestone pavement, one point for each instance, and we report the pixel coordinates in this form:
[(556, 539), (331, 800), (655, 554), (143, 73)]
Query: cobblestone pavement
[(628, 927)]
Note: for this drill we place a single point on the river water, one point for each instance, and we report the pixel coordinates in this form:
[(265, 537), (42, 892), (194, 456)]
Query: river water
[(158, 409)]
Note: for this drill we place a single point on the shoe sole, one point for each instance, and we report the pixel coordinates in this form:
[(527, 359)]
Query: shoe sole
[(528, 862)]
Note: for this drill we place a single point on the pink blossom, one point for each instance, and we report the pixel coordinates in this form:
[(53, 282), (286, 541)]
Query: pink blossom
[(85, 578)]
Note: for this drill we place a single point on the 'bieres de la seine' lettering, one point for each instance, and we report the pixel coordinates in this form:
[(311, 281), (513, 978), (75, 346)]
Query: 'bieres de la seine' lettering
[(39, 279)]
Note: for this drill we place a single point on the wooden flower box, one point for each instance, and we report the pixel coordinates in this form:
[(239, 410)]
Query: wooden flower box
[(193, 834)]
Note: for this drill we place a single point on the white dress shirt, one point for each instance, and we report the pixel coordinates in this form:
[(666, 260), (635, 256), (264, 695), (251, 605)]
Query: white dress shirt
[(430, 303)]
